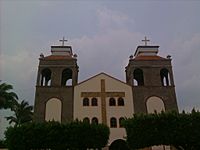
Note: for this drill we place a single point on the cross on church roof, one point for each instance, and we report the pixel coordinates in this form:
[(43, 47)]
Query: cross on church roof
[(145, 41), (63, 41)]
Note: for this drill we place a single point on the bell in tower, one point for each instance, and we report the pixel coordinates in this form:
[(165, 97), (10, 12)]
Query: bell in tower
[(152, 82), (57, 76)]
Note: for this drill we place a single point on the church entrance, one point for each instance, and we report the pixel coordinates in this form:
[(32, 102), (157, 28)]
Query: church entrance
[(119, 145)]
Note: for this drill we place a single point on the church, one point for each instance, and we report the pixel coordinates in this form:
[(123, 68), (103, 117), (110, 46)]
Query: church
[(149, 87)]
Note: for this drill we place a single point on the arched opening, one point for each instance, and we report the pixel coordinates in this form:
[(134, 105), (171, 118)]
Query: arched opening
[(86, 120), (95, 120), (121, 119), (119, 144), (138, 78), (66, 77), (45, 77), (53, 110), (161, 147), (120, 101), (94, 101), (86, 101), (135, 83), (165, 78), (112, 102), (113, 122), (155, 104)]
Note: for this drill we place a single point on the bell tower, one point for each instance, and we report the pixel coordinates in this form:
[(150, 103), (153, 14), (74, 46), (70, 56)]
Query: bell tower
[(56, 78), (151, 78)]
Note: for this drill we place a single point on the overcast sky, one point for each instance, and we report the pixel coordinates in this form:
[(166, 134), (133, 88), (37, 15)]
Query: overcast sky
[(103, 34)]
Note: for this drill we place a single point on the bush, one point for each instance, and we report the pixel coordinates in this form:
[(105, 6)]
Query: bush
[(2, 144), (179, 130), (56, 136)]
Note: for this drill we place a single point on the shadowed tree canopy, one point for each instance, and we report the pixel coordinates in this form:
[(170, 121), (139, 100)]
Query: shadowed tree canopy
[(7, 98), (22, 113), (180, 130), (56, 136)]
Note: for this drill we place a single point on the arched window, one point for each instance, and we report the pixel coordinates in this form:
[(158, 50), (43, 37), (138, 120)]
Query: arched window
[(53, 110), (95, 120), (120, 101), (138, 78), (86, 120), (45, 77), (121, 121), (86, 102), (155, 104), (113, 122), (112, 102), (165, 78), (66, 77), (94, 101)]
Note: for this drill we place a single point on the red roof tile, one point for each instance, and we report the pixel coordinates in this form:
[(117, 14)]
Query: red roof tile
[(149, 58)]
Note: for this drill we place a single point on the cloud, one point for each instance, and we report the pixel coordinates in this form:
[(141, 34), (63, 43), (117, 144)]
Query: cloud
[(110, 48), (106, 52), (109, 19), (20, 70), (187, 73)]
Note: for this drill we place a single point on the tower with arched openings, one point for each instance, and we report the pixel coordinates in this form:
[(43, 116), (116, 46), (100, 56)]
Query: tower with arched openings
[(57, 76), (102, 98), (152, 82)]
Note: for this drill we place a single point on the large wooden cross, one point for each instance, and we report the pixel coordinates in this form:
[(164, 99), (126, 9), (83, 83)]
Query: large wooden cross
[(103, 94)]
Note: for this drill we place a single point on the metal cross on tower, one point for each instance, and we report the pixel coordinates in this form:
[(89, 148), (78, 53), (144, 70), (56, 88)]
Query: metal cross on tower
[(63, 41), (145, 41)]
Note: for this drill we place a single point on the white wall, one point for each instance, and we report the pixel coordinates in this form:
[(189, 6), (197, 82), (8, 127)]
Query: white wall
[(112, 85)]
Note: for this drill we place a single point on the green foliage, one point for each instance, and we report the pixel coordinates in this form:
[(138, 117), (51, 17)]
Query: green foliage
[(56, 136), (2, 144), (22, 113), (179, 130), (6, 97)]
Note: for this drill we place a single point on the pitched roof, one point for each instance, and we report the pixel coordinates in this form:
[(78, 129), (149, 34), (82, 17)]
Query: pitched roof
[(102, 73), (57, 57), (149, 58)]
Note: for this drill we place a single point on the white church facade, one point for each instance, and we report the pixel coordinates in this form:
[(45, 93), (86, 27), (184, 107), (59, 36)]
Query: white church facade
[(104, 99), (149, 87)]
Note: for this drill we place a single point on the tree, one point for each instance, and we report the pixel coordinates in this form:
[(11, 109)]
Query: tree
[(56, 136), (22, 113), (2, 144), (179, 130), (6, 97)]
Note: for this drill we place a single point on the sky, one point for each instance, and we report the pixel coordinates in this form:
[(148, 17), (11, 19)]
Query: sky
[(103, 34)]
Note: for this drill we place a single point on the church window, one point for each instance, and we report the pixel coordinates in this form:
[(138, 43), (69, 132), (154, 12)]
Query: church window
[(112, 102), (113, 122), (94, 101), (66, 77), (121, 122), (53, 110), (138, 78), (95, 120), (46, 77), (120, 101), (85, 102), (86, 120), (165, 79), (155, 104)]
